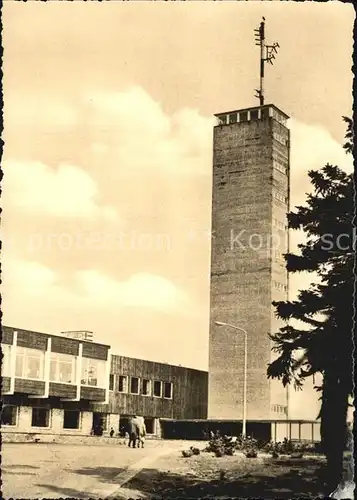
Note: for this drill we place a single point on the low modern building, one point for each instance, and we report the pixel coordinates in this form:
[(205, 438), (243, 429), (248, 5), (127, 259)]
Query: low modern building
[(60, 385)]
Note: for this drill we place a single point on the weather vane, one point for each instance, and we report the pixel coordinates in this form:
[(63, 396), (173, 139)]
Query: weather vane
[(267, 54)]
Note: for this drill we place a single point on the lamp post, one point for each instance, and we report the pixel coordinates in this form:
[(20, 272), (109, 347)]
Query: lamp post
[(220, 323)]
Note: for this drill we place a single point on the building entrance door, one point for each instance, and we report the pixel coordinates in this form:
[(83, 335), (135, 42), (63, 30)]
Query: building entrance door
[(99, 423)]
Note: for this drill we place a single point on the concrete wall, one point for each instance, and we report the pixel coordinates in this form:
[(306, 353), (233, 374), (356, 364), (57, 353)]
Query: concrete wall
[(242, 270)]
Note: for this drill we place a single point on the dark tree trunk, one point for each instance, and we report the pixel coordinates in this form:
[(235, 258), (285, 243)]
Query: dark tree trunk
[(334, 428)]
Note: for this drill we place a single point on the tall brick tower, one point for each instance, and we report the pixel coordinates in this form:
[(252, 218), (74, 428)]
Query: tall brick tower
[(249, 225)]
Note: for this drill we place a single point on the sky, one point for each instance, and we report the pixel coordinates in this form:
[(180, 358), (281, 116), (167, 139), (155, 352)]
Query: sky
[(108, 154)]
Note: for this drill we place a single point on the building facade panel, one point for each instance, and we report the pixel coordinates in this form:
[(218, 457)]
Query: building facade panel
[(33, 340), (7, 335), (62, 390), (95, 351), (5, 384), (64, 345), (30, 386), (92, 393)]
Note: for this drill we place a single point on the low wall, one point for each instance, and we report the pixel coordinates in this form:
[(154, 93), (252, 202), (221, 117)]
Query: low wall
[(32, 437)]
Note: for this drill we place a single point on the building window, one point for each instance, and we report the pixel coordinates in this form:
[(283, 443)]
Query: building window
[(264, 113), (233, 118), (111, 382), (168, 390), (243, 116), (9, 415), (100, 423), (123, 383), (222, 120), (146, 387), (40, 417), (6, 360), (254, 114), (29, 363), (150, 425), (278, 166), (63, 368), (134, 385), (157, 388), (279, 196), (93, 372), (71, 419)]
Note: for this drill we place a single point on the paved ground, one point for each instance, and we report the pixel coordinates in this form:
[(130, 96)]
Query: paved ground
[(53, 470)]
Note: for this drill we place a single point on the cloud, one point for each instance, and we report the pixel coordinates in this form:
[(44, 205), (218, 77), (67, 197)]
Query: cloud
[(66, 192), (138, 135), (38, 110), (140, 290), (39, 284), (312, 147)]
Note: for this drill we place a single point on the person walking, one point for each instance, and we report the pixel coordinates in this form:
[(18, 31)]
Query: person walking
[(134, 431), (142, 431)]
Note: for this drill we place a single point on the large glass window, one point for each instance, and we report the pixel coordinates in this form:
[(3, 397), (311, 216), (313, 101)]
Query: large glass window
[(29, 363), (40, 417), (63, 368), (94, 372), (9, 415), (6, 360)]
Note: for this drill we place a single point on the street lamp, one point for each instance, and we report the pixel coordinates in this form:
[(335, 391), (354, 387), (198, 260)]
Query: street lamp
[(220, 323)]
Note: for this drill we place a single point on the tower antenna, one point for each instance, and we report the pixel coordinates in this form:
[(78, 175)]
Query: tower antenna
[(267, 54)]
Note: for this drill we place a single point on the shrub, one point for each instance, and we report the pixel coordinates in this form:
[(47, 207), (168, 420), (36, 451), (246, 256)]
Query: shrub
[(252, 453)]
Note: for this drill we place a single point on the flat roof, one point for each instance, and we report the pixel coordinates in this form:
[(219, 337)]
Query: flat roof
[(253, 108), (221, 421), (53, 335)]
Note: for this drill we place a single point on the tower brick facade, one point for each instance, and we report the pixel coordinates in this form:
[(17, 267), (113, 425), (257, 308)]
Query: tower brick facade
[(249, 225)]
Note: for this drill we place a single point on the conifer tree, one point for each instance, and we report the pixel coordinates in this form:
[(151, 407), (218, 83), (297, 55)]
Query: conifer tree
[(325, 308)]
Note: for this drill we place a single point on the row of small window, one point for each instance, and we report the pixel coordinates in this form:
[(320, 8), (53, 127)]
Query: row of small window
[(30, 364), (40, 417), (279, 409), (281, 139), (254, 114), (279, 286), (279, 196), (145, 387), (279, 167)]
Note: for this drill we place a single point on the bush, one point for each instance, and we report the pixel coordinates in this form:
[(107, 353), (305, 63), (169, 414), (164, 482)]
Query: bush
[(288, 447), (253, 453), (227, 445)]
